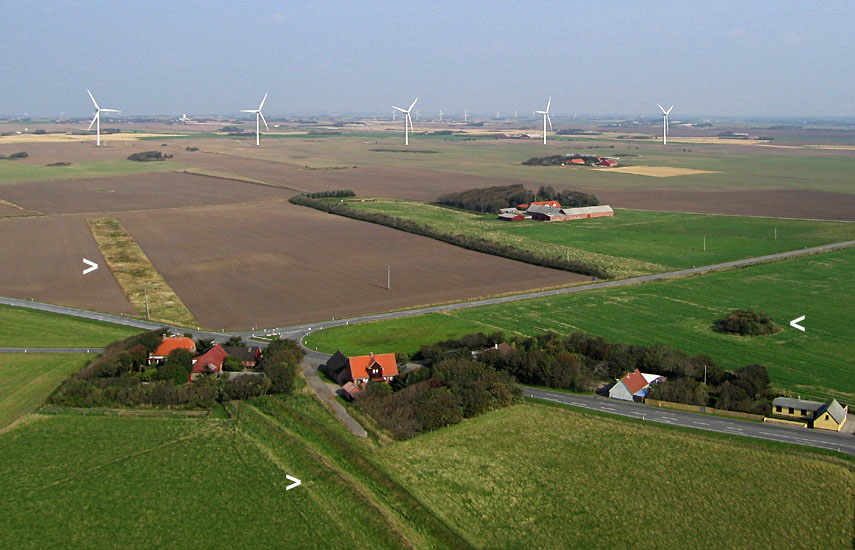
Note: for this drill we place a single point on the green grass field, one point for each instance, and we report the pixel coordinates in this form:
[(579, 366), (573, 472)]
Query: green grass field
[(76, 481), (533, 476), (816, 363), (27, 328), (632, 242), (26, 379), (17, 172)]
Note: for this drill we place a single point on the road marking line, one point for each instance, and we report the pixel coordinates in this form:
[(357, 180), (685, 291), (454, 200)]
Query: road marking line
[(701, 423)]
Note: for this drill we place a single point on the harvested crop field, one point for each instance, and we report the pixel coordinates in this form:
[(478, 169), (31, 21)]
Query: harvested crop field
[(135, 192), (658, 171), (279, 264), (776, 203), (42, 258)]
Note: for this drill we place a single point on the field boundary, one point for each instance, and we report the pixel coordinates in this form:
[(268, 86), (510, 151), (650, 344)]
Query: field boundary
[(145, 288)]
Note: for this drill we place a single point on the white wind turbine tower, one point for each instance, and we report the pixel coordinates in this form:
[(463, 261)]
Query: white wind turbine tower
[(545, 119), (440, 115), (257, 115), (665, 123), (97, 119), (465, 116), (408, 120)]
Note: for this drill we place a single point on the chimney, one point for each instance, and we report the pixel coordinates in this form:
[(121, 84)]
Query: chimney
[(371, 355)]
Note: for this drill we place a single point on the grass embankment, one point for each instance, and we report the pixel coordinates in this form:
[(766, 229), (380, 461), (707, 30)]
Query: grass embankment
[(17, 172), (137, 276), (75, 481), (30, 328), (815, 363), (533, 476), (26, 379), (632, 242)]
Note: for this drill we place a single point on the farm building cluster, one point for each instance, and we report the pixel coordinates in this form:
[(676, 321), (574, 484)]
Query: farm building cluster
[(353, 373), (551, 211), (211, 361)]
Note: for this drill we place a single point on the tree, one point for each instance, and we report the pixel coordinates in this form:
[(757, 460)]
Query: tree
[(176, 366), (282, 375), (235, 341), (204, 345), (232, 364)]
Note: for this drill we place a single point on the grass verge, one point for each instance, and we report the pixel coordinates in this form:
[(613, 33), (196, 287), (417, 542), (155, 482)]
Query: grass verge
[(137, 276)]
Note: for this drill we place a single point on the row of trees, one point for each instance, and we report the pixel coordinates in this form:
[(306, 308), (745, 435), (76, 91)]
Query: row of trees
[(568, 198), (149, 156), (579, 362), (436, 396), (465, 241)]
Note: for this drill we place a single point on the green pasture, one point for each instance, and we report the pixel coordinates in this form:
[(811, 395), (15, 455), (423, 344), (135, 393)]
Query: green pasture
[(533, 476), (816, 363), (26, 379), (632, 242), (18, 172), (29, 328)]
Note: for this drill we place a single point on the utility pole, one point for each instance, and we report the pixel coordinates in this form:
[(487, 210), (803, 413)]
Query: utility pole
[(776, 232), (145, 291), (705, 243), (389, 278)]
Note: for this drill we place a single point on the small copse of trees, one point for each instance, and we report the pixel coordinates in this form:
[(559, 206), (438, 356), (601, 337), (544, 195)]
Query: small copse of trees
[(746, 322), (493, 199), (149, 156)]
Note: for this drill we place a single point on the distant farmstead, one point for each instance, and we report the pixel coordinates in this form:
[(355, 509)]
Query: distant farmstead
[(547, 214)]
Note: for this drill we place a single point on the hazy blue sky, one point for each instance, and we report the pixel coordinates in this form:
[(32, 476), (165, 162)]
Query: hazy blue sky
[(707, 58)]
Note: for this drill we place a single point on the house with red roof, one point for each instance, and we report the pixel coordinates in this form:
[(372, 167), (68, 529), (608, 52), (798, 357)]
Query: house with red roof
[(381, 367), (634, 386), (210, 362), (169, 344)]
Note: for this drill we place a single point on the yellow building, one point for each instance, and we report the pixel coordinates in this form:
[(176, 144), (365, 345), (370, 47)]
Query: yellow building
[(826, 416)]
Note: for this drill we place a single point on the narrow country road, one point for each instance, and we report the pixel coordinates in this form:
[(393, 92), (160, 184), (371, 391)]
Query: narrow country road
[(844, 443)]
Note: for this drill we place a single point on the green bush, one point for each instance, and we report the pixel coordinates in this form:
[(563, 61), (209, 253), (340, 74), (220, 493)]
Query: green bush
[(745, 323)]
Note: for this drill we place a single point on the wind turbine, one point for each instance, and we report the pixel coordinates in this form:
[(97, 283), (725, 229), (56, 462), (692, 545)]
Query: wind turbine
[(97, 119), (440, 114), (408, 121), (545, 119), (665, 123), (465, 116), (257, 115), (184, 118)]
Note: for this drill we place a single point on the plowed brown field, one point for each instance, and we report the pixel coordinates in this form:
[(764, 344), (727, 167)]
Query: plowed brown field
[(277, 264)]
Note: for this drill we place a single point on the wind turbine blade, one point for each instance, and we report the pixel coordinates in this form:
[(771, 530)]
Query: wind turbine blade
[(413, 105), (262, 120), (550, 121), (540, 112), (548, 103), (661, 109), (248, 111), (93, 121), (412, 128), (668, 112), (262, 101), (399, 109), (109, 111), (93, 100)]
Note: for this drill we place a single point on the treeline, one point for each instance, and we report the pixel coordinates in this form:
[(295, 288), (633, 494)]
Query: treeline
[(465, 241), (493, 199), (14, 156), (121, 377), (436, 396), (579, 362), (561, 160), (149, 156), (335, 193)]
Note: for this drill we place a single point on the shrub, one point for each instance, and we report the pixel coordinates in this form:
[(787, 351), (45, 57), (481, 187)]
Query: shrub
[(60, 163), (746, 323), (148, 156), (191, 149), (232, 364), (21, 155)]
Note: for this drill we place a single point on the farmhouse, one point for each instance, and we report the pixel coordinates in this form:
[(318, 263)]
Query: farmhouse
[(547, 214), (248, 355), (550, 204), (168, 345), (634, 386), (209, 362), (827, 416), (607, 162), (361, 369)]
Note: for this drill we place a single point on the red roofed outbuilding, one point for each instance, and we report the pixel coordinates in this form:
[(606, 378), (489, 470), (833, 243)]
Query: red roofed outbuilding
[(209, 362)]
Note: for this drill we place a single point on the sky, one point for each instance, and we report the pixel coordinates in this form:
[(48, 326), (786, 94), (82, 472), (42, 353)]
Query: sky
[(711, 58)]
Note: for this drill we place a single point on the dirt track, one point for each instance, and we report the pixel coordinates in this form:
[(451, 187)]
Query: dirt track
[(279, 264)]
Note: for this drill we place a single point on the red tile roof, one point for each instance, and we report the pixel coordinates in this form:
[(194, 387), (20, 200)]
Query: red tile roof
[(554, 204), (634, 381), (169, 345), (213, 357), (359, 365)]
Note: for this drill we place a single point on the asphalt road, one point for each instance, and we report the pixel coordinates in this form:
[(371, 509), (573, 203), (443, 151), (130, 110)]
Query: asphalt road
[(844, 443)]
